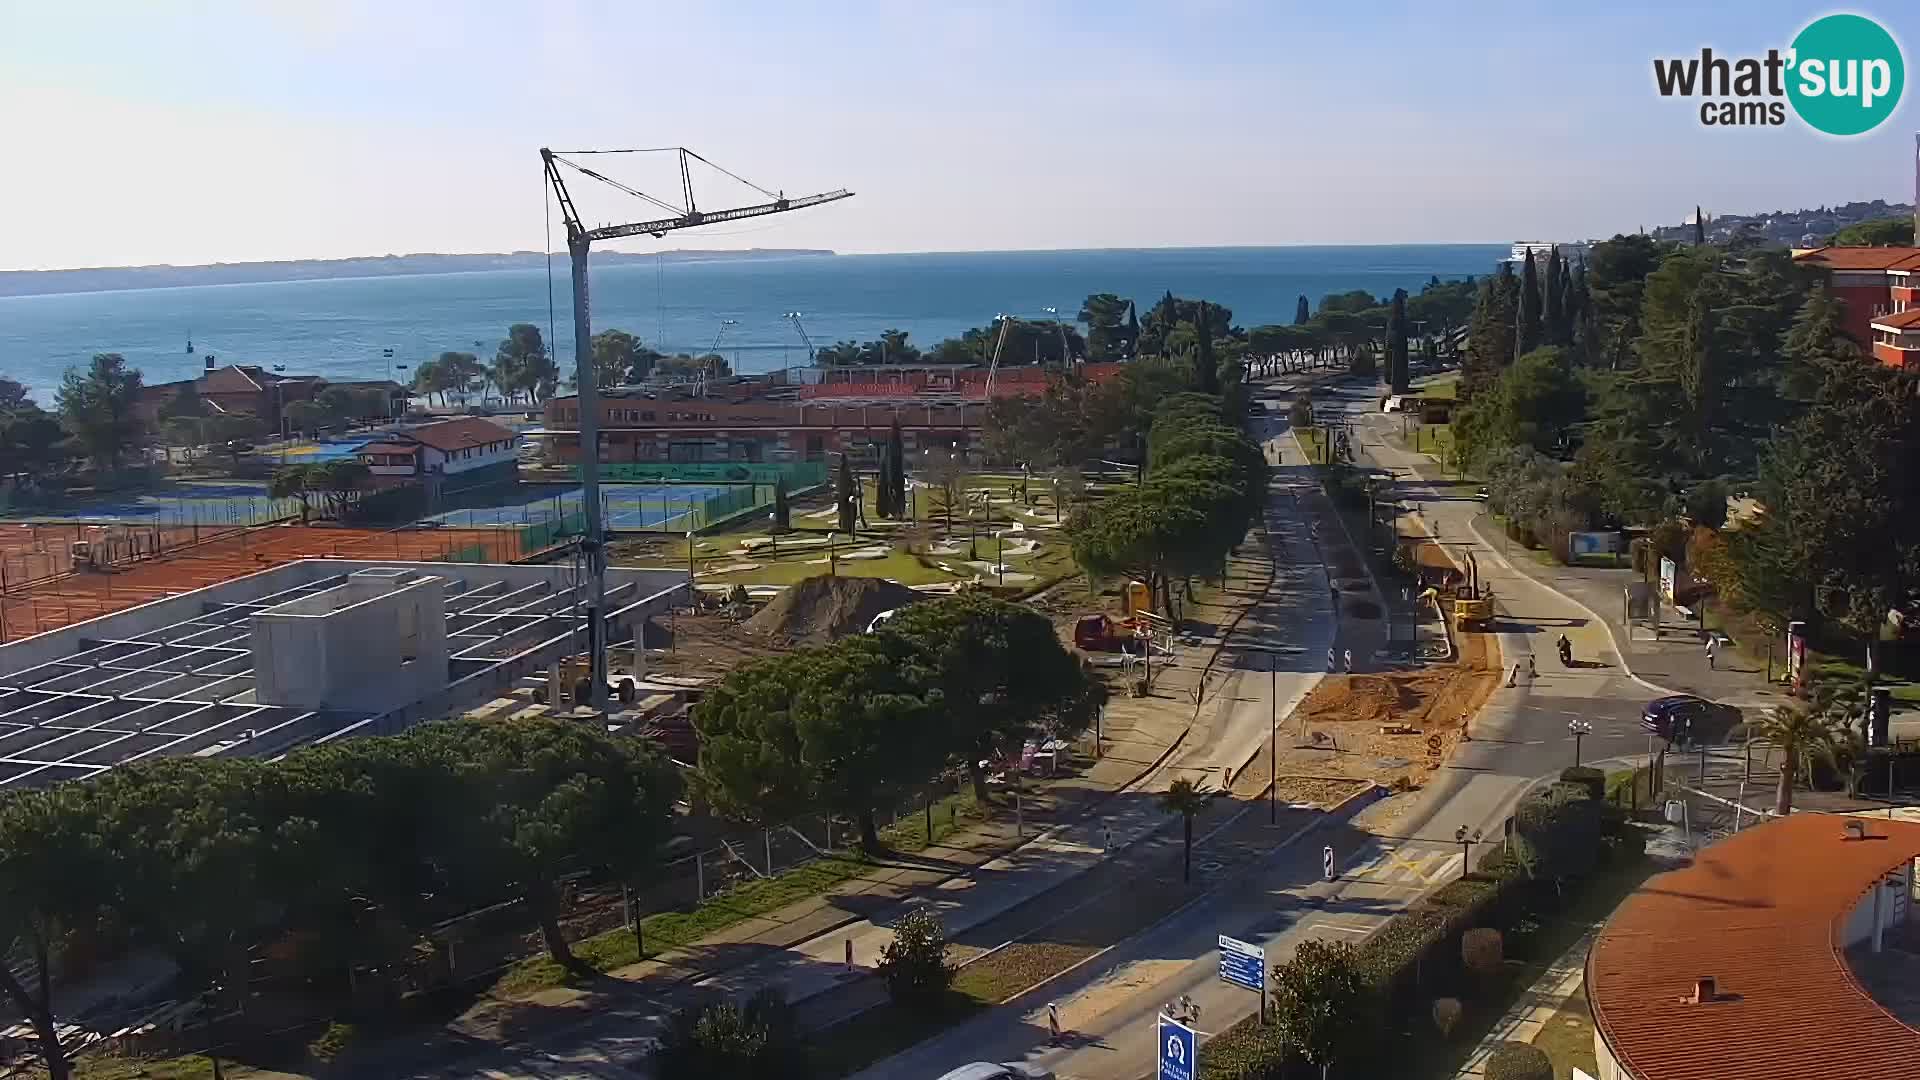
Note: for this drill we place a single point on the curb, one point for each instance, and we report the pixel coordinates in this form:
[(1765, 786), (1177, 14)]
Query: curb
[(1612, 639)]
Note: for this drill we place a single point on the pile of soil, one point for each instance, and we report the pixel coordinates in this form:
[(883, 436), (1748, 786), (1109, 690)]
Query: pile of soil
[(819, 609)]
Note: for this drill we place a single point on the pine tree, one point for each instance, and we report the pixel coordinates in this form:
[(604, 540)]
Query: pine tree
[(1556, 298), (1206, 377), (1133, 330), (1397, 375), (1302, 311), (883, 486), (1528, 338)]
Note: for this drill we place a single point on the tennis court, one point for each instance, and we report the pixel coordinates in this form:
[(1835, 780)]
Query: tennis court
[(184, 505), (624, 507)]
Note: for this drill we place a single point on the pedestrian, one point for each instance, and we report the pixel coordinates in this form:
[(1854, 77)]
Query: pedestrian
[(1053, 1022), (1713, 649), (1106, 836), (1532, 671)]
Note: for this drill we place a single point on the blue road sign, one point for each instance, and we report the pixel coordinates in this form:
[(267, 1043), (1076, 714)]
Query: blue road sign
[(1242, 964), (1179, 1050)]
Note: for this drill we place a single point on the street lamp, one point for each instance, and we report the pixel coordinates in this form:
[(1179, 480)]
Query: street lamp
[(1466, 840), (1580, 729)]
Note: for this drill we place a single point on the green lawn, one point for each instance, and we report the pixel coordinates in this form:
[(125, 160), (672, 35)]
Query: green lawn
[(670, 929), (1567, 1038), (1312, 442), (1442, 387)]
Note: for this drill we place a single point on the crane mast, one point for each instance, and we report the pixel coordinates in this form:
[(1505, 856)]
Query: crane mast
[(580, 240)]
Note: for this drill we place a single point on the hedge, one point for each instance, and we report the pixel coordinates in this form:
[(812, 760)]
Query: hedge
[(1519, 1061), (1415, 955), (1593, 779)]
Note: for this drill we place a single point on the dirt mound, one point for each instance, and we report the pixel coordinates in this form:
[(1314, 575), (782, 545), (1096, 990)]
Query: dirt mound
[(819, 609)]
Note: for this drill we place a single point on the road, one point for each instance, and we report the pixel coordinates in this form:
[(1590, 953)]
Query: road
[(1107, 1009)]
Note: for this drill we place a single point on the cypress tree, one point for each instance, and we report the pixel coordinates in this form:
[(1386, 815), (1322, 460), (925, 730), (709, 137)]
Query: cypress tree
[(1206, 377), (897, 452), (883, 486), (1556, 299), (844, 495), (1699, 227), (1133, 334), (1397, 375), (782, 515), (1301, 311), (1528, 339)]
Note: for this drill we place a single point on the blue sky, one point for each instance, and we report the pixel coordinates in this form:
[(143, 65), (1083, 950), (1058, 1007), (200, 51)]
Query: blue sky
[(144, 132)]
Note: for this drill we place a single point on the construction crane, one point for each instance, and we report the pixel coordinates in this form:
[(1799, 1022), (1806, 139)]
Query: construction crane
[(579, 239)]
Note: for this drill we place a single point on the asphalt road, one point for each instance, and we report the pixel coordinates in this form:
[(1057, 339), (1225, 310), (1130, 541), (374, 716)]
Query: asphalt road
[(1108, 1008)]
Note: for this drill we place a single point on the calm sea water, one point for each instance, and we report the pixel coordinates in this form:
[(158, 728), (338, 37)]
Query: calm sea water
[(340, 327)]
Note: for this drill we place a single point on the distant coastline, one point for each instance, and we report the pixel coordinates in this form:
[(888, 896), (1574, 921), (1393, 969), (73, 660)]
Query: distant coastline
[(111, 278)]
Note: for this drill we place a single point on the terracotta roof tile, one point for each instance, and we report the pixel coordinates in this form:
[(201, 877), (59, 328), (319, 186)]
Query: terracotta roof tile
[(1862, 258), (459, 434), (1761, 913), (1905, 320)]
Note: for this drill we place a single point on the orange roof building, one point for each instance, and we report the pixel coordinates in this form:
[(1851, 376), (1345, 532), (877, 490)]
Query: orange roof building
[(1873, 282), (1735, 967)]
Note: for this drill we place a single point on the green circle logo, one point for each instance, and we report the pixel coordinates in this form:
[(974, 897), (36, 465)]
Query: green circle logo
[(1847, 74)]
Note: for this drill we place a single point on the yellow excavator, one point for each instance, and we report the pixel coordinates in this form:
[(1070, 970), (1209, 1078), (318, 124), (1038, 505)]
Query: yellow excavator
[(1472, 605)]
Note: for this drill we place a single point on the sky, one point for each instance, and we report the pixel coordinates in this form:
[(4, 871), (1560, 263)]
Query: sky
[(162, 133)]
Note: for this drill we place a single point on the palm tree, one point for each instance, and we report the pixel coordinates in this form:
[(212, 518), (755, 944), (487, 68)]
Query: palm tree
[(1186, 799), (1802, 734)]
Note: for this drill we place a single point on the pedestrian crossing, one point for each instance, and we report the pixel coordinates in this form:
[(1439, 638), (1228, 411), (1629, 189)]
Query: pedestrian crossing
[(1406, 866)]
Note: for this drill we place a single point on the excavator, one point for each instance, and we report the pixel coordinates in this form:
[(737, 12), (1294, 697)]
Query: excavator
[(1472, 605)]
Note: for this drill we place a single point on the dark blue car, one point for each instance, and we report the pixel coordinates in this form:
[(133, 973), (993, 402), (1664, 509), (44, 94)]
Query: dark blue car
[(1685, 718)]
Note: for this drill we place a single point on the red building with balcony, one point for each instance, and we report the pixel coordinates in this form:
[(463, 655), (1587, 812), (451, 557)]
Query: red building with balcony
[(1880, 287), (801, 415)]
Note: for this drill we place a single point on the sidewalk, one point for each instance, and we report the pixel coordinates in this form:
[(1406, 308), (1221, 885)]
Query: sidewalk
[(971, 877)]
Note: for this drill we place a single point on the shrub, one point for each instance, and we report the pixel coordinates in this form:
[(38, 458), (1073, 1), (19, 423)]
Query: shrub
[(914, 964), (1587, 776), (1519, 1061), (755, 1041), (1248, 1050), (1300, 413), (1482, 952), (1556, 832), (1446, 1013), (1320, 1002)]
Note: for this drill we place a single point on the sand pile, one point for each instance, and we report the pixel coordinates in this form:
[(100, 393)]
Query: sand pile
[(819, 609)]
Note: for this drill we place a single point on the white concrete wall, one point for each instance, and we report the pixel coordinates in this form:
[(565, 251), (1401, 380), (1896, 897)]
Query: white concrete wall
[(477, 457), (1895, 890), (372, 644)]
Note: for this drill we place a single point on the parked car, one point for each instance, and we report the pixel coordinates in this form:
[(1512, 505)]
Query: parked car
[(1684, 718), (1006, 1070)]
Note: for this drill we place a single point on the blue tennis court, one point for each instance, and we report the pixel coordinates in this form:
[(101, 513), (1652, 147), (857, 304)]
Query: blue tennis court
[(652, 507), (216, 504)]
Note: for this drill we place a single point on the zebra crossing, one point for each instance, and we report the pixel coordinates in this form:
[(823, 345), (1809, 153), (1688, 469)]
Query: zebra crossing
[(1413, 865)]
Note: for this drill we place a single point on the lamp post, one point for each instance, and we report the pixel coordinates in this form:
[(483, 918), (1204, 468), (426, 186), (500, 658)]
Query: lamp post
[(1580, 729), (1466, 840)]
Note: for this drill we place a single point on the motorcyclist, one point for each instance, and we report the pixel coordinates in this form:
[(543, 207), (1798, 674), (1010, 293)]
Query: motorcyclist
[(1566, 650)]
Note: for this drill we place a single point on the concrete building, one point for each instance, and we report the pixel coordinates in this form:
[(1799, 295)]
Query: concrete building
[(1873, 283), (800, 415), (1753, 963), (304, 653), (458, 453)]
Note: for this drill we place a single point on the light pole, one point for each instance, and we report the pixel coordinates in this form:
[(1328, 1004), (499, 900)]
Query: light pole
[(1580, 730), (1466, 840), (794, 318)]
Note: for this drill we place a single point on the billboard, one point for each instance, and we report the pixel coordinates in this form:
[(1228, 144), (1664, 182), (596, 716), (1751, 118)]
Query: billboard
[(1669, 576), (1593, 543)]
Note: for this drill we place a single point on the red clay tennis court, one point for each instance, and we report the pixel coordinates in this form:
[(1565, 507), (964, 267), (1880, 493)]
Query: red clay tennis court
[(48, 604)]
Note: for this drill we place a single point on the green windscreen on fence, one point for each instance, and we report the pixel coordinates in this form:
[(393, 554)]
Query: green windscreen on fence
[(797, 474)]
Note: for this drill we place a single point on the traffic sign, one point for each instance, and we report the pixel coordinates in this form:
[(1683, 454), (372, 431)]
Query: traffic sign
[(1242, 964), (1178, 1050), (1326, 861)]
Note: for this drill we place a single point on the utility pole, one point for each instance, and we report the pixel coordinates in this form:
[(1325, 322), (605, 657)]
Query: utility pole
[(580, 238)]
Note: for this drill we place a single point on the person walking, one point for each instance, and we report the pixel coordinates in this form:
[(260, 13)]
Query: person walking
[(1053, 1023), (1713, 652)]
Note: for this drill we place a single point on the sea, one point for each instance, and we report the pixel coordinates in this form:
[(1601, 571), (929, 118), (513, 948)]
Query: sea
[(367, 328)]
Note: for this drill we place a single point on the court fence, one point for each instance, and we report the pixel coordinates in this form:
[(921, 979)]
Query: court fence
[(797, 474), (36, 553)]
